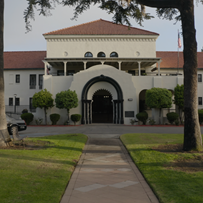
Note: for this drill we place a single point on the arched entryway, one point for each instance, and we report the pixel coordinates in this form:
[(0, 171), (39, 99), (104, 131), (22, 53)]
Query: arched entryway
[(102, 107), (117, 104)]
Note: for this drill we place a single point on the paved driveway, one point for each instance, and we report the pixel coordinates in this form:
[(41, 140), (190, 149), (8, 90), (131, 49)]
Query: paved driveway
[(98, 130)]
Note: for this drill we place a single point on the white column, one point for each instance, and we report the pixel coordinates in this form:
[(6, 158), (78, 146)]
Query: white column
[(139, 68), (119, 65), (45, 67), (85, 62), (65, 67), (102, 62)]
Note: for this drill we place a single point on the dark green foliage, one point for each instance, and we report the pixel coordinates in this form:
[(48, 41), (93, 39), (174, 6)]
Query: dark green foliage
[(24, 111), (75, 118), (54, 118), (178, 96), (172, 117), (43, 99), (27, 117), (200, 113), (143, 116), (158, 98)]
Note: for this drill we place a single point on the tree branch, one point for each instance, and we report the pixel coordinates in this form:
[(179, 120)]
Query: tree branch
[(160, 3)]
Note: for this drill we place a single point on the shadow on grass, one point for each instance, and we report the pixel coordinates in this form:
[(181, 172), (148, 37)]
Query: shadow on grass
[(16, 157)]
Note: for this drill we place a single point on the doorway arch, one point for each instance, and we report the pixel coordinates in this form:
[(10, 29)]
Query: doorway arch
[(117, 104), (102, 107)]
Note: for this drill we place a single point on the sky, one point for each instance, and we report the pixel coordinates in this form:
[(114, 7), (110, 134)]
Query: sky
[(16, 38)]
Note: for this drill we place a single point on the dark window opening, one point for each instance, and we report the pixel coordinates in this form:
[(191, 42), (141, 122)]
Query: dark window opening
[(70, 72), (113, 54), (17, 78), (17, 102), (10, 102), (40, 81), (199, 77), (32, 81), (88, 54), (199, 100), (101, 54)]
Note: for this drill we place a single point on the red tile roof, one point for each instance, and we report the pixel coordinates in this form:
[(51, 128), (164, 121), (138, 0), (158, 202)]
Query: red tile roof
[(170, 59), (24, 59), (101, 27)]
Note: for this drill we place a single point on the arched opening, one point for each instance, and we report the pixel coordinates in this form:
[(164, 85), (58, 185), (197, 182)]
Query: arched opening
[(114, 54), (88, 54), (142, 105), (117, 103), (101, 54), (102, 107)]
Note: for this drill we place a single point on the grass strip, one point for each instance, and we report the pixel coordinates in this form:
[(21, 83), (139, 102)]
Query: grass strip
[(169, 184), (30, 176)]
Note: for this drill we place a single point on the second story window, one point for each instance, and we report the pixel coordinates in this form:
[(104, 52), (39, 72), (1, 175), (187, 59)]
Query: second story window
[(199, 100), (40, 81), (199, 77), (17, 78), (32, 81), (113, 54), (88, 54), (101, 54), (10, 102)]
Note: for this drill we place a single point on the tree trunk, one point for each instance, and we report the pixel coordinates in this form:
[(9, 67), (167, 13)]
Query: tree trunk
[(192, 134), (45, 115), (4, 136)]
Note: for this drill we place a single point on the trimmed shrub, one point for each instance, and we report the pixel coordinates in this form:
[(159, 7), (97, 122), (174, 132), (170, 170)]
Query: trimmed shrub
[(75, 118), (54, 118), (200, 113), (24, 111), (27, 117), (143, 116), (172, 117)]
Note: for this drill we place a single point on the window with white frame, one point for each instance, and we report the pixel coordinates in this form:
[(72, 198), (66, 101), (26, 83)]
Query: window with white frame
[(32, 81)]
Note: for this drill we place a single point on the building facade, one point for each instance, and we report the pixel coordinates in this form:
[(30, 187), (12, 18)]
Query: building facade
[(109, 66)]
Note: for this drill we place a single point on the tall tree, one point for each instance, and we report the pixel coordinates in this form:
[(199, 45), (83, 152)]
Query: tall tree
[(43, 100), (66, 100), (4, 136), (123, 10)]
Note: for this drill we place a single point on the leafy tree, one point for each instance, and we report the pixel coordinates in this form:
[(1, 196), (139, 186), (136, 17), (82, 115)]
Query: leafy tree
[(158, 98), (43, 100), (66, 100), (179, 99)]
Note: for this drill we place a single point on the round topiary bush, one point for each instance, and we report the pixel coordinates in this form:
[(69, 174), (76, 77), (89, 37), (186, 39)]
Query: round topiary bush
[(24, 111), (75, 118), (54, 118), (143, 116), (27, 117), (200, 112), (172, 117)]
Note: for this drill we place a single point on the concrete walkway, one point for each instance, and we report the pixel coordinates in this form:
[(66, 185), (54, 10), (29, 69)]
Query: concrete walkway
[(105, 173)]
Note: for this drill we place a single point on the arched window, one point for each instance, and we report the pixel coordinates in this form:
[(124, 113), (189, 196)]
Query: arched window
[(101, 54), (114, 54), (88, 54)]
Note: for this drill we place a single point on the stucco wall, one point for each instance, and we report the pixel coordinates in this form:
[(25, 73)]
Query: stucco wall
[(125, 46)]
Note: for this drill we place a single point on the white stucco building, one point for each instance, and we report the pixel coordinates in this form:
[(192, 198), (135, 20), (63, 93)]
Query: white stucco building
[(109, 66)]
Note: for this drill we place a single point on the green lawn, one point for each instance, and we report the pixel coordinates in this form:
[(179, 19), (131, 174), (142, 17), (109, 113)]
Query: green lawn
[(39, 176), (171, 186)]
